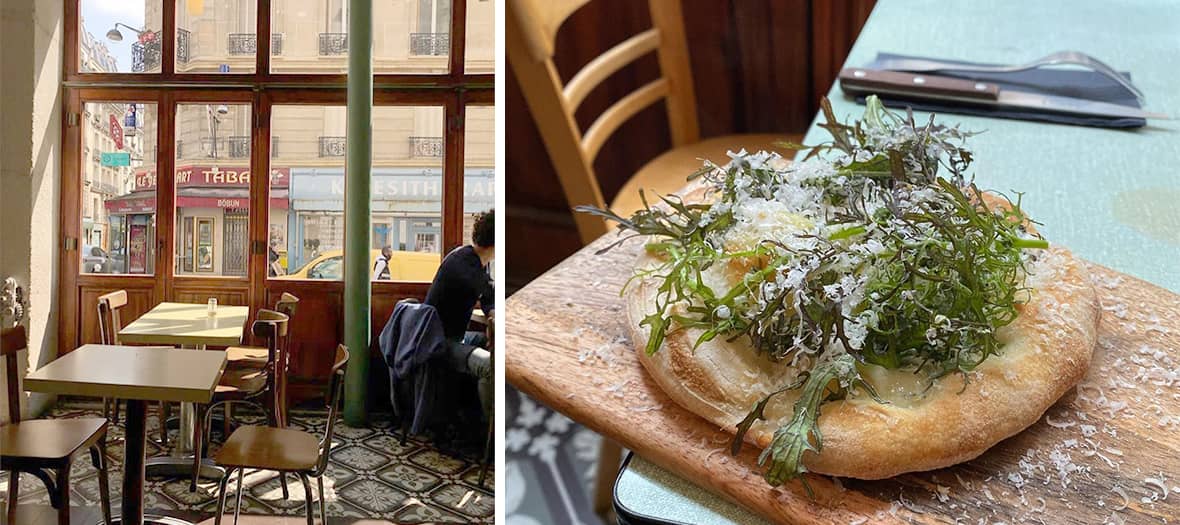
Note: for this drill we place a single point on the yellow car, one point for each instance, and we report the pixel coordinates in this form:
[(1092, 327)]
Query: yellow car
[(403, 266)]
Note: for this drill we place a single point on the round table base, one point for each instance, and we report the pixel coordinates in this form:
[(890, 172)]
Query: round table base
[(180, 467)]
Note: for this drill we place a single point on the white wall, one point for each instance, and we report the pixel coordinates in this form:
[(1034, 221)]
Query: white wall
[(30, 162)]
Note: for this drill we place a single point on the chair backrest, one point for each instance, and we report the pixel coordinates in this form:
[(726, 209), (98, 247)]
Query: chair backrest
[(335, 393), (287, 304), (109, 321), (12, 340), (271, 326), (531, 32)]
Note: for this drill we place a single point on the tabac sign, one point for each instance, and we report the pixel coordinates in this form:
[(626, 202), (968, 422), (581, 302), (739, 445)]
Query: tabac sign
[(212, 176)]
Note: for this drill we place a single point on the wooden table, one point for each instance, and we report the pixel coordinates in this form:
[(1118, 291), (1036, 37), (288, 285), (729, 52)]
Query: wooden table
[(137, 375), (184, 324)]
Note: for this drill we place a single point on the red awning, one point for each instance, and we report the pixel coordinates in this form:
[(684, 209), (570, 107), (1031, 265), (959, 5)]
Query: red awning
[(218, 197)]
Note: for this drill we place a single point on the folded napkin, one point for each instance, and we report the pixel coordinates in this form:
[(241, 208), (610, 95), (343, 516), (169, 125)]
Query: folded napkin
[(1070, 83)]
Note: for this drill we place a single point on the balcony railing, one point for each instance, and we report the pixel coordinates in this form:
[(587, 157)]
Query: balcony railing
[(233, 147), (247, 44), (426, 147), (333, 44), (430, 44), (332, 146), (104, 188)]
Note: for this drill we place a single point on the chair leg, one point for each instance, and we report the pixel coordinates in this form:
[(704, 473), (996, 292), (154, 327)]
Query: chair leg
[(198, 444), (104, 491), (238, 497), (487, 452), (63, 495), (307, 495), (221, 489), (610, 454), (13, 494), (106, 408), (165, 413), (319, 480), (117, 405)]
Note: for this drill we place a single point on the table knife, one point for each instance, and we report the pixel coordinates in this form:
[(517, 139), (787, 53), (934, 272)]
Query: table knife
[(919, 86)]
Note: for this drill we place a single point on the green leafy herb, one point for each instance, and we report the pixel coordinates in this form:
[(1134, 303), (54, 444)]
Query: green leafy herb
[(891, 263)]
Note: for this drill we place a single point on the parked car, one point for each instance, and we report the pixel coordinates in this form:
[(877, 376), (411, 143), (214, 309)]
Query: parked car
[(95, 260), (403, 266)]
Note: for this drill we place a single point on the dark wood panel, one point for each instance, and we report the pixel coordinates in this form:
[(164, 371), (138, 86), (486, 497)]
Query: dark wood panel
[(140, 299), (226, 294), (318, 327), (758, 66)]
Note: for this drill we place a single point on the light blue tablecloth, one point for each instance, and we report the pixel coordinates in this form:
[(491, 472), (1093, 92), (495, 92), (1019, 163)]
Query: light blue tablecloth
[(1111, 196)]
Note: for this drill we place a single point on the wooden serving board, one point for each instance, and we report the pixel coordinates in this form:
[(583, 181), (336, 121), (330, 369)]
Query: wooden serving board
[(568, 347)]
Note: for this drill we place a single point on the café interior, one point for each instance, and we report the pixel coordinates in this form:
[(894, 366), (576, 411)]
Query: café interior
[(186, 343)]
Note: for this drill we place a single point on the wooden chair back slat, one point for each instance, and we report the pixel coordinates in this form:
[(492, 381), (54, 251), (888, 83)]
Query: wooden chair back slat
[(531, 33), (109, 319), (606, 64), (12, 340)]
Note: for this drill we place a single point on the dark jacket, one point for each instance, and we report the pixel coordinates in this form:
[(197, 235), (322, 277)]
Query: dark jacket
[(410, 341)]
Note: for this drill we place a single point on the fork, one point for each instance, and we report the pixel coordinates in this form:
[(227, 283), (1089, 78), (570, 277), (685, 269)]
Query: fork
[(1077, 58)]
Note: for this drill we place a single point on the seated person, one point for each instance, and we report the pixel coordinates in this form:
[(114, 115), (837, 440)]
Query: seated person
[(461, 280)]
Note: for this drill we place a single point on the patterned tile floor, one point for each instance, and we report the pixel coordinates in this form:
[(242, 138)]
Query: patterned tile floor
[(550, 465), (370, 476)]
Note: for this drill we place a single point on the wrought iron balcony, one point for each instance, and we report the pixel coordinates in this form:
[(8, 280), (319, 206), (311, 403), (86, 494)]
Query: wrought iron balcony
[(233, 147), (247, 44), (333, 43), (104, 188), (145, 56), (430, 44), (332, 146), (426, 147)]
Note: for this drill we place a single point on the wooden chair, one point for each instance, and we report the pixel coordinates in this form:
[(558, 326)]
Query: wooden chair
[(531, 32), (248, 385), (256, 357), (109, 324), (42, 445), (284, 450)]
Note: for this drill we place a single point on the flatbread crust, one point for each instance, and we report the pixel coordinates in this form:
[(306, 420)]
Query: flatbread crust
[(1046, 351)]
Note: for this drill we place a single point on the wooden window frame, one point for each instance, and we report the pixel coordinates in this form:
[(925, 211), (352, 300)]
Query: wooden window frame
[(262, 90)]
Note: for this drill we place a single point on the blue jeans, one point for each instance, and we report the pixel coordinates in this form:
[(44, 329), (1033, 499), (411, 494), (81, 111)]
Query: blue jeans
[(467, 356)]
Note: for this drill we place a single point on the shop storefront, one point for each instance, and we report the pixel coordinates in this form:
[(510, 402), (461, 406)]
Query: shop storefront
[(212, 219), (406, 209)]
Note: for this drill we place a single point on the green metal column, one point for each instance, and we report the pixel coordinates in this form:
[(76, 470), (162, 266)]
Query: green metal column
[(357, 178)]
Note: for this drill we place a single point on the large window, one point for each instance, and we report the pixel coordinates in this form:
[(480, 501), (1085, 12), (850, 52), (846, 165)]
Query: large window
[(205, 147), (212, 184), (119, 37), (118, 160), (479, 163), (306, 225)]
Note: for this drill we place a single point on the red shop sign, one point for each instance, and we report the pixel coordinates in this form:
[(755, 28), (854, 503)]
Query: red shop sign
[(116, 132)]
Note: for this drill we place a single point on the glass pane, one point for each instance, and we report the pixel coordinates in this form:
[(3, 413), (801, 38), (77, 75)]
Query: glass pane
[(481, 37), (409, 36), (479, 165), (212, 189), (217, 36), (119, 37), (307, 192), (118, 188)]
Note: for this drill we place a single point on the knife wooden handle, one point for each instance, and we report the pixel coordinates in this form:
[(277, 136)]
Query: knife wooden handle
[(869, 81)]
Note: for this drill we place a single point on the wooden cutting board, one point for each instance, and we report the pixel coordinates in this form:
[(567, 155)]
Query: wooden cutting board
[(568, 347)]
